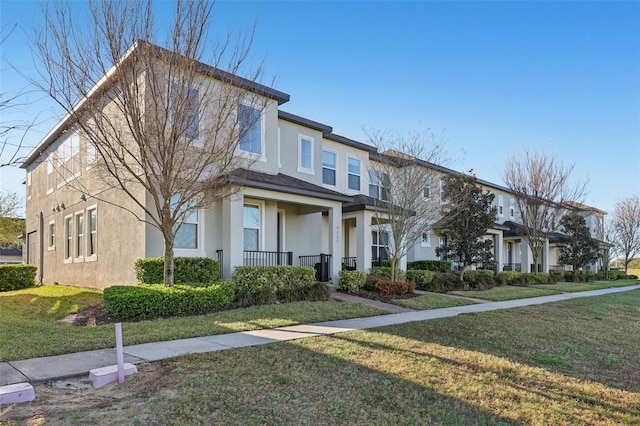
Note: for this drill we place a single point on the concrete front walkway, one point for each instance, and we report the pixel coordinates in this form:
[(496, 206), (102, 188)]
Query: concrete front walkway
[(78, 364)]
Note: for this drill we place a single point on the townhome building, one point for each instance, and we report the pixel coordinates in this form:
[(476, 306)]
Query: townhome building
[(308, 199)]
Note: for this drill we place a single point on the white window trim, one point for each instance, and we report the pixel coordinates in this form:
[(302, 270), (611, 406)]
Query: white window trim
[(426, 243), (301, 169), (51, 247), (78, 252), (197, 252), (347, 189), (442, 198), (501, 205), (262, 157), (335, 169), (512, 208), (51, 174), (279, 157), (29, 186), (93, 257), (68, 259), (260, 204)]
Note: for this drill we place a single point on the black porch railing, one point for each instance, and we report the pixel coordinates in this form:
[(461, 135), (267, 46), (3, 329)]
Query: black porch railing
[(220, 259), (349, 263), (560, 267), (267, 258), (512, 267), (321, 264)]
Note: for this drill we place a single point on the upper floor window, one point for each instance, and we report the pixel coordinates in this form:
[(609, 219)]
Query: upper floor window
[(442, 196), (69, 157), (51, 177), (29, 187), (305, 154), (426, 191), (184, 109), (91, 153), (329, 168), (353, 173), (512, 208), (500, 205), (250, 126), (378, 185), (426, 239)]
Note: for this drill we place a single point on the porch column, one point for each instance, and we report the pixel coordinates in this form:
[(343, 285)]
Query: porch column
[(545, 257), (232, 234), (498, 243), (525, 258), (363, 245), (335, 242)]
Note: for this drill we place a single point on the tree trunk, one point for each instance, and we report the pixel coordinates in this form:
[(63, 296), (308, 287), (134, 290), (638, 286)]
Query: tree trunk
[(168, 265), (394, 268)]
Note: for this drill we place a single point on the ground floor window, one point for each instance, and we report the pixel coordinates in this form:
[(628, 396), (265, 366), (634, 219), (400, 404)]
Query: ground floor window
[(251, 227)]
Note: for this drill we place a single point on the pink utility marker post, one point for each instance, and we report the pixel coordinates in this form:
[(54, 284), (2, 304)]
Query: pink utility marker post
[(101, 376)]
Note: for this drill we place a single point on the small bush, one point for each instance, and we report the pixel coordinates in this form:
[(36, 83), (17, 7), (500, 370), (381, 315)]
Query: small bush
[(430, 265), (443, 282), (156, 300), (480, 279), (539, 278), (258, 285), (17, 277), (316, 292), (385, 272), (187, 270), (393, 287), (422, 278), (352, 281), (509, 278), (556, 276)]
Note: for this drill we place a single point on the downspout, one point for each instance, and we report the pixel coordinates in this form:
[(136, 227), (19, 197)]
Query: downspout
[(41, 249)]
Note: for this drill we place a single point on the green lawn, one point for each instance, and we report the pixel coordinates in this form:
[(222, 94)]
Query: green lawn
[(575, 287), (30, 326), (432, 301), (564, 363), (498, 294)]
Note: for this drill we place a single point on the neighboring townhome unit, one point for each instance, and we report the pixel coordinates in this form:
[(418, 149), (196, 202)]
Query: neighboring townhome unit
[(302, 195)]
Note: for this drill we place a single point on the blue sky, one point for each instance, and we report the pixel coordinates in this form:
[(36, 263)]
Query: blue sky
[(494, 77)]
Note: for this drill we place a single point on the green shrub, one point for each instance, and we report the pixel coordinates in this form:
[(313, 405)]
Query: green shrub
[(351, 281), (315, 292), (443, 282), (17, 277), (187, 270), (480, 279), (539, 278), (422, 278), (509, 278), (258, 285), (430, 265), (157, 300), (385, 272), (556, 276)]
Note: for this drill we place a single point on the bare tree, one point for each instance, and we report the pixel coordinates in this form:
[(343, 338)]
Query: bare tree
[(542, 187), (626, 226), (605, 233), (400, 175), (11, 227), (164, 127)]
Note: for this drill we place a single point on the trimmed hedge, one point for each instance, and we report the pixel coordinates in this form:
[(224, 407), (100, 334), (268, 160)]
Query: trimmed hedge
[(430, 265), (480, 279), (422, 278), (556, 277), (315, 292), (187, 270), (352, 281), (17, 277), (443, 282), (259, 285), (157, 300), (385, 272)]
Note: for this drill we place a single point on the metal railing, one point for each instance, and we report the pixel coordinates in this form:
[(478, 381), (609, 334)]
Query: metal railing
[(512, 267), (321, 264), (349, 263), (267, 258)]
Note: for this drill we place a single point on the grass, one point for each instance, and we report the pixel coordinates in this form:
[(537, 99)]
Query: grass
[(498, 294), (432, 301), (564, 363), (575, 287), (30, 326)]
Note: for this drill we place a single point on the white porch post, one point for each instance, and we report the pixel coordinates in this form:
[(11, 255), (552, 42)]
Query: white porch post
[(499, 253), (525, 258), (335, 242), (363, 245), (545, 257), (232, 234)]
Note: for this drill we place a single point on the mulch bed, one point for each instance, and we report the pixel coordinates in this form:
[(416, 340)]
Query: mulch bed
[(89, 316)]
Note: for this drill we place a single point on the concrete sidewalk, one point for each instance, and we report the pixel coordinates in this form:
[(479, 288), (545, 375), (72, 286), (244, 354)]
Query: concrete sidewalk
[(77, 364)]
